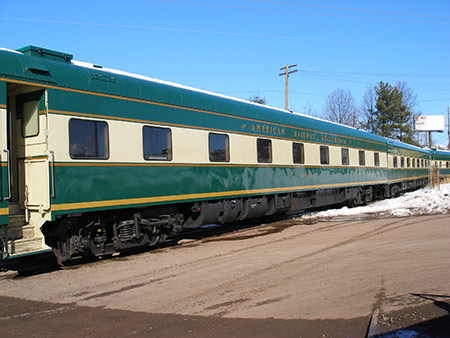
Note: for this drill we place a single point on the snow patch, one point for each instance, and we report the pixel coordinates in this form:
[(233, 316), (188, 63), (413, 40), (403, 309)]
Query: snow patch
[(10, 50), (426, 201)]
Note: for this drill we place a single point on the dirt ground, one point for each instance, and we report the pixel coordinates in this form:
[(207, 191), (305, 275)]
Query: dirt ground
[(341, 278)]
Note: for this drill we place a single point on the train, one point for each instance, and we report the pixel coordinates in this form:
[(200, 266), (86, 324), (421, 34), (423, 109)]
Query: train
[(96, 161)]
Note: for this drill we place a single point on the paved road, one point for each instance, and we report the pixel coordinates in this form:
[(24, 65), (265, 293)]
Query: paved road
[(287, 278)]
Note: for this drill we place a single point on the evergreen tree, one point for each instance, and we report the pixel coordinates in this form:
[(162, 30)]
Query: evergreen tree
[(388, 114)]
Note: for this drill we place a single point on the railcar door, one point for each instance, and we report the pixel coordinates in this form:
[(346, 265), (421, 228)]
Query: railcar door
[(28, 149)]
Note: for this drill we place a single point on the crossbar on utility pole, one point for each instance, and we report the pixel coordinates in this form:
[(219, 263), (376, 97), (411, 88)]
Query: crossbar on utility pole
[(286, 73)]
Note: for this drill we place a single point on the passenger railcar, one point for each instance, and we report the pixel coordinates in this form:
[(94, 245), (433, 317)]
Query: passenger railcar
[(96, 161), (440, 160)]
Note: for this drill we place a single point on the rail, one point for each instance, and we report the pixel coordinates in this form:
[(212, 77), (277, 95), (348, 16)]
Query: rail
[(52, 172)]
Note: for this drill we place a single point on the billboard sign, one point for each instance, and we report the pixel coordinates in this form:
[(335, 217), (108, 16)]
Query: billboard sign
[(430, 123)]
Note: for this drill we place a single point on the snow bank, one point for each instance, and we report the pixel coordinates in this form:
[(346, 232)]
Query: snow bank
[(425, 201)]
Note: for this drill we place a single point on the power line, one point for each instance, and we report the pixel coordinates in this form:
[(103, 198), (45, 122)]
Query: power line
[(302, 4), (197, 3), (376, 74), (253, 35)]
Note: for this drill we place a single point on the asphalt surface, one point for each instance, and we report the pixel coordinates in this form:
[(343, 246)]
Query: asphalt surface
[(346, 278)]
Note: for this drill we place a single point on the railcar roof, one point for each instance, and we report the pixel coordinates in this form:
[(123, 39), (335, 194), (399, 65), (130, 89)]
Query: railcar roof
[(59, 69), (398, 144), (445, 153)]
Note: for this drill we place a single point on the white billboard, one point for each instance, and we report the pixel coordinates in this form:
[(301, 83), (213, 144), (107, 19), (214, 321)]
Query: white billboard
[(430, 123)]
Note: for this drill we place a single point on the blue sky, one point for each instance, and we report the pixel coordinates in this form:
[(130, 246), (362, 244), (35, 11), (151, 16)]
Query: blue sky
[(238, 47)]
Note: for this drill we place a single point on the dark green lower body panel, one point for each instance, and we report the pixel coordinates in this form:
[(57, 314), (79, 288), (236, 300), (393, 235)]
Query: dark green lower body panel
[(102, 187)]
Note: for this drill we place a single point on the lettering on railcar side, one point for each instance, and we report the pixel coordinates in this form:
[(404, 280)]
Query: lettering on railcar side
[(268, 129), (298, 134)]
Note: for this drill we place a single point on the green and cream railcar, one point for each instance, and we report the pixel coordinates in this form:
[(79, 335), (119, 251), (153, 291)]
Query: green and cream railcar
[(96, 161), (440, 160), (408, 166)]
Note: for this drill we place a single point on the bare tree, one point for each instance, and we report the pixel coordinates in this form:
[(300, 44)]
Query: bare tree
[(257, 99), (409, 99), (309, 110), (340, 107)]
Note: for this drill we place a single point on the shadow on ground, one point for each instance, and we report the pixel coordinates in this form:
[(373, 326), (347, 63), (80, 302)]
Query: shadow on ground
[(437, 327)]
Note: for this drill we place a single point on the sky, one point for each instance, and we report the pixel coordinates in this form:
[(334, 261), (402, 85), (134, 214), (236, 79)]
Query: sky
[(237, 48)]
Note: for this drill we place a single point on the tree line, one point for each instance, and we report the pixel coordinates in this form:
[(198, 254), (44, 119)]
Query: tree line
[(387, 110)]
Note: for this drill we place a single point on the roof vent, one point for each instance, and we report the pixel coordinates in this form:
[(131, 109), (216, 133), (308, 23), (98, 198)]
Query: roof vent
[(46, 53)]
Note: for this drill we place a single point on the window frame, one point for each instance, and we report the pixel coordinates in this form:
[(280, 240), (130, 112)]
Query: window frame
[(347, 156), (327, 155), (260, 147), (107, 140), (227, 147), (21, 100), (376, 159), (302, 153), (169, 147), (362, 157)]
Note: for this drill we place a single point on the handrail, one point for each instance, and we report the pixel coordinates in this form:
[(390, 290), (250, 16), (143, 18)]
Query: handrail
[(8, 159), (53, 195)]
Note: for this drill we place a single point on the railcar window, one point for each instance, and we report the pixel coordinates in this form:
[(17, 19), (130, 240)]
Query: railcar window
[(413, 163), (344, 156), (421, 161), (30, 119), (264, 149), (408, 162), (376, 159), (395, 162), (402, 162), (298, 153), (157, 143), (324, 155), (447, 165), (362, 157), (219, 147), (88, 139)]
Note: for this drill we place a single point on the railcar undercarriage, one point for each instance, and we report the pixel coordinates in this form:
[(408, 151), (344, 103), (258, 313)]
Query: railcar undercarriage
[(81, 236), (105, 233)]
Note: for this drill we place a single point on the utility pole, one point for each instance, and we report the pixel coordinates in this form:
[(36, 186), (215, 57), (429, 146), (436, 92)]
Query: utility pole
[(448, 126), (286, 73)]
